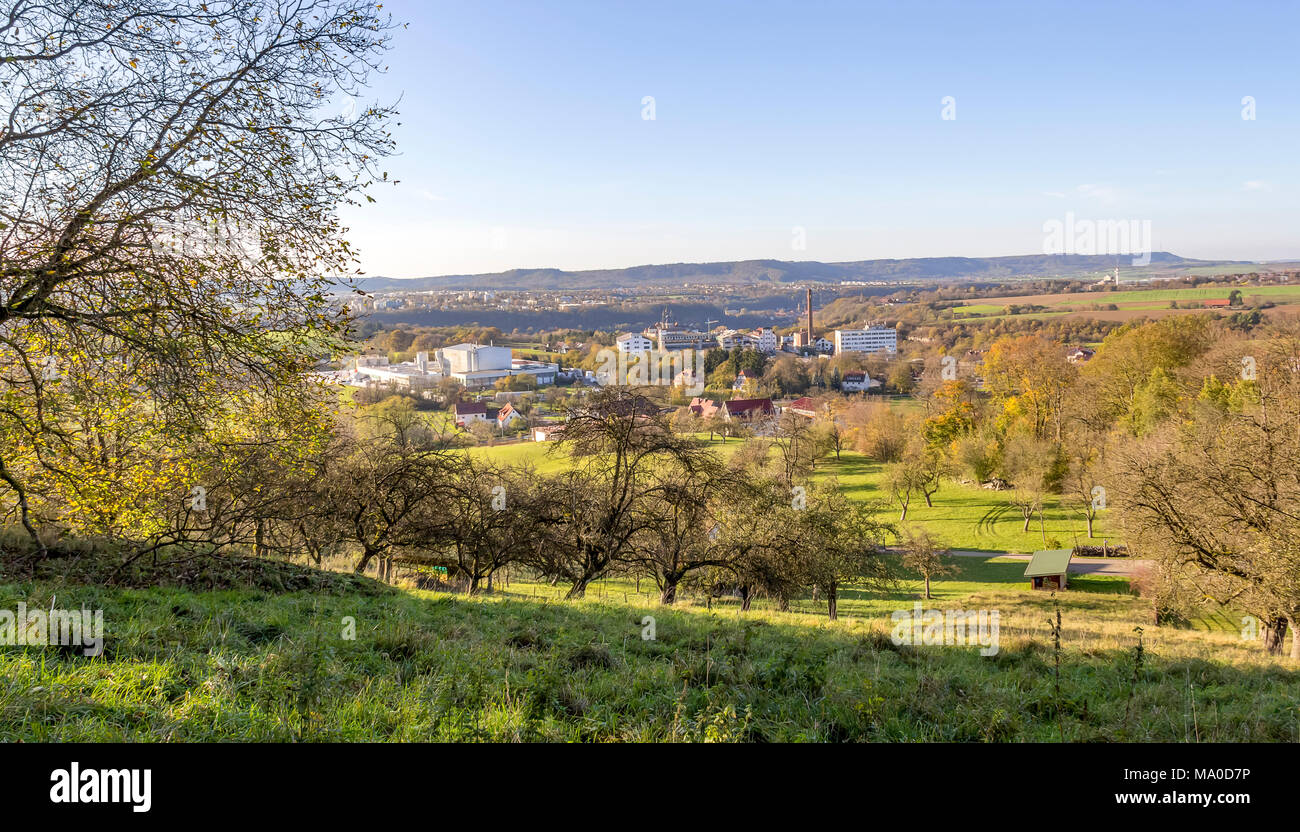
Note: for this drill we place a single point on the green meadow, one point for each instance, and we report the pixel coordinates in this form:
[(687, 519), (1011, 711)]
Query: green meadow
[(963, 516)]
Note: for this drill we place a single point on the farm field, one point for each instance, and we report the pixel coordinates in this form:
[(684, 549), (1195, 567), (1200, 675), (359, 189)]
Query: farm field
[(1131, 303)]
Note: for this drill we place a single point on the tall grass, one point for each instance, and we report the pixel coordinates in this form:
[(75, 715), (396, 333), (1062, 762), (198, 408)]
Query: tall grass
[(260, 665)]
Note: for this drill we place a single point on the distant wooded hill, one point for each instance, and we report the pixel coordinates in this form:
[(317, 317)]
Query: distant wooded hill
[(741, 272)]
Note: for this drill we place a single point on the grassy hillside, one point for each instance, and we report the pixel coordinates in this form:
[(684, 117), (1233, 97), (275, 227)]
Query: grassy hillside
[(260, 665)]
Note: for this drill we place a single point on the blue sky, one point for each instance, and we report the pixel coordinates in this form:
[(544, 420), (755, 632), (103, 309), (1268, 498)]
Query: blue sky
[(523, 144)]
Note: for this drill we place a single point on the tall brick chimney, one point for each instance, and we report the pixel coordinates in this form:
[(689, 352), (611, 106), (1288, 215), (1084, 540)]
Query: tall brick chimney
[(810, 331)]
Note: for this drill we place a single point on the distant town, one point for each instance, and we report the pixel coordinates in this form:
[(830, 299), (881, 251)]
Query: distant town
[(817, 339)]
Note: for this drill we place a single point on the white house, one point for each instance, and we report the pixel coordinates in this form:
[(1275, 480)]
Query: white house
[(857, 382), (507, 417), (466, 413)]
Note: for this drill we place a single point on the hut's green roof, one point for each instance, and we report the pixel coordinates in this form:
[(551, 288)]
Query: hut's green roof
[(1049, 562)]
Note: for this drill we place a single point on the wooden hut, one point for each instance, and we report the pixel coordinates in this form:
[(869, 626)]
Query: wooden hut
[(1048, 567)]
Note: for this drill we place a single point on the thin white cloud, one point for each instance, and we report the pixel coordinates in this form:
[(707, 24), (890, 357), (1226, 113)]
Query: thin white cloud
[(1101, 193), (1256, 185)]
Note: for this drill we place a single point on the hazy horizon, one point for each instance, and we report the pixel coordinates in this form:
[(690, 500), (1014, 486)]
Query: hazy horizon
[(836, 133), (1123, 264)]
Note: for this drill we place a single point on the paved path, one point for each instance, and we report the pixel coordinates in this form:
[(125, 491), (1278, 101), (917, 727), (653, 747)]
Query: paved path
[(1082, 566)]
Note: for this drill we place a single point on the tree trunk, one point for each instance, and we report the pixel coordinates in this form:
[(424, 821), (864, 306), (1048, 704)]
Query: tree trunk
[(579, 589), (366, 557), (312, 549), (24, 512), (832, 602), (746, 597), (669, 593), (1295, 638), (927, 587), (1090, 527), (1273, 632), (928, 502)]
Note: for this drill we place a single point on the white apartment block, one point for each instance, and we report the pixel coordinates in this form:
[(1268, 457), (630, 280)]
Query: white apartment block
[(767, 340), (631, 343), (873, 339)]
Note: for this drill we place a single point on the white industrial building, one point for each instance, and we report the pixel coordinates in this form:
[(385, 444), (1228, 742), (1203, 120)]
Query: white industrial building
[(476, 366), (473, 365), (411, 375)]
